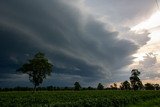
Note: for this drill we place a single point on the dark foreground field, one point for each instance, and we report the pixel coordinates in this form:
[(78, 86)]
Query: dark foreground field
[(80, 99)]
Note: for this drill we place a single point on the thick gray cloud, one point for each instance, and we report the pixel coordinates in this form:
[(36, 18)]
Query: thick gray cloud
[(149, 67), (140, 39), (123, 11), (123, 15), (79, 46)]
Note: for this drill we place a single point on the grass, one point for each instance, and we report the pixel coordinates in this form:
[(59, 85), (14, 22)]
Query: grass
[(93, 98)]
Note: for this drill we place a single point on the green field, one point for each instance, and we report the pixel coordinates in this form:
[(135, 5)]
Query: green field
[(93, 98)]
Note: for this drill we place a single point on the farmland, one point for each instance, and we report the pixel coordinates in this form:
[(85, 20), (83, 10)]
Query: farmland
[(95, 98)]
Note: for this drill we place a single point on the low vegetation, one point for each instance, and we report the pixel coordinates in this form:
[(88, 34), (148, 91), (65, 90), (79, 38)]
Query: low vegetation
[(94, 98)]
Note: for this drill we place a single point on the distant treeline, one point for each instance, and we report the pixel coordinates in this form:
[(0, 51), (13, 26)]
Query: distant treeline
[(147, 86), (50, 88)]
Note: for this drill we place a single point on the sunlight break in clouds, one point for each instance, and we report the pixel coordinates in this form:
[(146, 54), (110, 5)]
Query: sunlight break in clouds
[(152, 25), (148, 56), (148, 24)]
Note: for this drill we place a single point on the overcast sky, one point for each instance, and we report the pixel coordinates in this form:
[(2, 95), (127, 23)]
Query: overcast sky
[(89, 41)]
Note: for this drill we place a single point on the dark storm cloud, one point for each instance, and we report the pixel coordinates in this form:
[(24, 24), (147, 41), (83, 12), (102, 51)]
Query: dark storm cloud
[(78, 45), (140, 39)]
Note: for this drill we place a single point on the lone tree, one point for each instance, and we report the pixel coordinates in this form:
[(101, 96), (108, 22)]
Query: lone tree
[(100, 87), (77, 86), (37, 69), (135, 81)]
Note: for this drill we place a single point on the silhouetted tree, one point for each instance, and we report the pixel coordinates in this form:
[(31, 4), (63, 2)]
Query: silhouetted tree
[(135, 81), (77, 86), (125, 85), (100, 87), (114, 86), (156, 86), (90, 88), (149, 86), (37, 69)]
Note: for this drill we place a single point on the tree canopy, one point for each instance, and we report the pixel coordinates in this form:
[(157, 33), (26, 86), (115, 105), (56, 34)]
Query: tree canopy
[(100, 86), (125, 85), (37, 69), (149, 86), (77, 86), (136, 83)]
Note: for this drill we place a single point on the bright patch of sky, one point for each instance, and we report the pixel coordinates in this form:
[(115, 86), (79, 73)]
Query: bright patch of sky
[(153, 26), (135, 20)]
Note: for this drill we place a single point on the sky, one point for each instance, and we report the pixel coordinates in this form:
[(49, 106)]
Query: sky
[(89, 41)]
